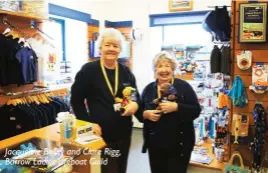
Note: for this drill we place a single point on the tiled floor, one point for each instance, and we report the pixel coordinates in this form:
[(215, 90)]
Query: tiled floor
[(138, 162)]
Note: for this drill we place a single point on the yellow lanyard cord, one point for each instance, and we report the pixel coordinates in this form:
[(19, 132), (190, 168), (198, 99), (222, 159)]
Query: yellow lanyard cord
[(107, 80), (158, 88)]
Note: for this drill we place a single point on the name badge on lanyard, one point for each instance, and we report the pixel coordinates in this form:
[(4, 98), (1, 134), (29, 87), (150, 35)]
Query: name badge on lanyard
[(113, 92)]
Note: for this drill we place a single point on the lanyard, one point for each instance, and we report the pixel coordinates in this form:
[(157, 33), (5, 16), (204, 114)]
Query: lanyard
[(107, 80), (158, 88)]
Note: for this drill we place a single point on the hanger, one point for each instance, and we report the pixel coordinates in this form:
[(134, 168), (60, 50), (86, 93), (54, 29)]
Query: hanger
[(26, 44), (6, 31), (44, 98), (21, 40)]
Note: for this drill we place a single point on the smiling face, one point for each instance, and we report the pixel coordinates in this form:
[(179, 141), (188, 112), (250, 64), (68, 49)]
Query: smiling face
[(164, 71), (110, 48)]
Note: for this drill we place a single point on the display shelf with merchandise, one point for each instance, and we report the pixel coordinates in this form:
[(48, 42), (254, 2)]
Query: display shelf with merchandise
[(22, 17), (214, 164)]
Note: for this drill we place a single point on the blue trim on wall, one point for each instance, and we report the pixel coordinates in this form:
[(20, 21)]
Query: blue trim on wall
[(108, 23), (62, 23), (171, 17), (118, 24), (95, 22), (69, 13)]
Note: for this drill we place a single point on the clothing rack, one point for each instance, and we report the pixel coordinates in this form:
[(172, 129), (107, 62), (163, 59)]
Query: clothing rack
[(7, 22), (218, 6), (26, 36), (7, 96), (33, 25)]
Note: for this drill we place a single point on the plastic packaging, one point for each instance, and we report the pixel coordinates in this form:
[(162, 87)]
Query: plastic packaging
[(67, 125)]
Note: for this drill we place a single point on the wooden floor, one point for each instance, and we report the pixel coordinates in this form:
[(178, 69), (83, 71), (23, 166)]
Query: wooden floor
[(138, 162)]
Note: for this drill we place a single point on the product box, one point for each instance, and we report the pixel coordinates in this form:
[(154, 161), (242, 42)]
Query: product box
[(37, 8), (9, 5)]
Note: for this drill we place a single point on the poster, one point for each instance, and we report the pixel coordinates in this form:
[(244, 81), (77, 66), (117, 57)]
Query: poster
[(252, 24), (180, 5)]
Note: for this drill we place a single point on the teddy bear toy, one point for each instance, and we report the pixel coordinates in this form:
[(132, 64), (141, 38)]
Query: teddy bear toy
[(168, 93), (129, 95)]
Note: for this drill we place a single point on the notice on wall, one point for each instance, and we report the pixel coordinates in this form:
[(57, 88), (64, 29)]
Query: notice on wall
[(252, 22)]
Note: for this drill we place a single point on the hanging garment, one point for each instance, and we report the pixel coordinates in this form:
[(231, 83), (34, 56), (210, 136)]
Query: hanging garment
[(20, 118), (218, 22), (16, 65), (225, 59), (258, 141), (238, 93), (215, 60)]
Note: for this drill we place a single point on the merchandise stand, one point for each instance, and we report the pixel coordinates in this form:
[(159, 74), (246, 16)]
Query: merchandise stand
[(259, 54), (23, 26)]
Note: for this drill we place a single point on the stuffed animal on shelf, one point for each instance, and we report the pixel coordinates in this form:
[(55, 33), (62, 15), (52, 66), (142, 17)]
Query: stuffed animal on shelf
[(168, 93), (129, 95)]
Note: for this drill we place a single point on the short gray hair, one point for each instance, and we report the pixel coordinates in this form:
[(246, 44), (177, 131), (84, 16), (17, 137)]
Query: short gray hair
[(164, 55), (112, 33)]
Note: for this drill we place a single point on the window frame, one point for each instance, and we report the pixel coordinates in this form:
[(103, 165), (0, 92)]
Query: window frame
[(63, 34)]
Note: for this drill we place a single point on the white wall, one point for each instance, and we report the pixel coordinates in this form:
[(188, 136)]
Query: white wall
[(143, 51), (138, 11), (76, 31)]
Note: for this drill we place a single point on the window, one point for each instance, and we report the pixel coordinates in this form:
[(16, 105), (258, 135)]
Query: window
[(56, 30), (188, 35)]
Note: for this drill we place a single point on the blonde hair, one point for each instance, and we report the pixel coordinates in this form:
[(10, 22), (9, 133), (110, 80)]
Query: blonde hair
[(110, 33), (164, 55)]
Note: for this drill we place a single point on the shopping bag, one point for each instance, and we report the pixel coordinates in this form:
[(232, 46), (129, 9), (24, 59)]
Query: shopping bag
[(230, 168)]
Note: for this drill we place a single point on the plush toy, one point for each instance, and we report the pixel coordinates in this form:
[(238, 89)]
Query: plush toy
[(168, 93), (129, 95)]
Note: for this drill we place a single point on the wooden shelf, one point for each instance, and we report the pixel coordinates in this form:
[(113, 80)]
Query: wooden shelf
[(22, 16), (217, 165), (185, 76)]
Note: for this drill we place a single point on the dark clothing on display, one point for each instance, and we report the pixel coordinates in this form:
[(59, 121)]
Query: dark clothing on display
[(18, 66), (225, 60), (91, 85), (116, 164), (28, 60), (174, 132), (218, 22), (220, 60), (215, 60), (21, 118)]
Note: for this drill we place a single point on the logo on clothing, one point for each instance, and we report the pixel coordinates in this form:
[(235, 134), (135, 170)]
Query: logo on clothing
[(18, 126), (31, 57)]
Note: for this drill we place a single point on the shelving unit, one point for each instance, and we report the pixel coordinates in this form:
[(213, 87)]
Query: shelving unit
[(22, 17), (216, 165)]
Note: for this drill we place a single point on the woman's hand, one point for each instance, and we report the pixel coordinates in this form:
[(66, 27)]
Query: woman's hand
[(131, 109), (153, 115), (96, 129), (167, 107)]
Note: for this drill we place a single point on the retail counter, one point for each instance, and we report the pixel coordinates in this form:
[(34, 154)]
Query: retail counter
[(50, 133), (216, 165)]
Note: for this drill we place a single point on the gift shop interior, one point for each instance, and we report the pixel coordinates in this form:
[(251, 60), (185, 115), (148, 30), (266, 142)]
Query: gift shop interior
[(220, 48)]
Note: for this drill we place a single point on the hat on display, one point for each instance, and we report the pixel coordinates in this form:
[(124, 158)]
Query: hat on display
[(244, 59)]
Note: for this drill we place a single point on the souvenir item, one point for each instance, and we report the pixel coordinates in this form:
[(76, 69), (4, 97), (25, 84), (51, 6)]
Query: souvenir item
[(244, 59), (259, 79), (129, 95), (230, 167), (166, 92)]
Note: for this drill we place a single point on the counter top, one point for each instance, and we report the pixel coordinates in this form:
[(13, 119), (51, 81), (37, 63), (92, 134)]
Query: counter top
[(217, 165), (50, 132)]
